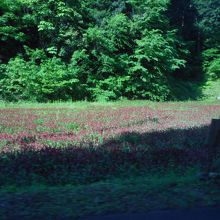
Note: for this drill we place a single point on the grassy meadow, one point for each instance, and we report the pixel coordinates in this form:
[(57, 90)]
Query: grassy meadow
[(71, 160)]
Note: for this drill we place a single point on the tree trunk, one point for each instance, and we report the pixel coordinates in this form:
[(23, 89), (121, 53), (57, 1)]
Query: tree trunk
[(213, 140), (212, 143)]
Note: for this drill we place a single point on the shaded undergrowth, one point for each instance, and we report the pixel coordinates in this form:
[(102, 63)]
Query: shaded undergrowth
[(132, 194)]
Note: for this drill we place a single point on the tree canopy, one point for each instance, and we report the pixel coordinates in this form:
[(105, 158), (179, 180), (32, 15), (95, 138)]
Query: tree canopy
[(104, 49)]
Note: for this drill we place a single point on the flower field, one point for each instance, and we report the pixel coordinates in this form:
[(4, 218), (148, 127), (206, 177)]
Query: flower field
[(77, 145)]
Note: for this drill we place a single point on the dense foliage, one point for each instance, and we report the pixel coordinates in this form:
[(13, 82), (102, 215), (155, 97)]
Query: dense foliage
[(209, 22), (105, 50)]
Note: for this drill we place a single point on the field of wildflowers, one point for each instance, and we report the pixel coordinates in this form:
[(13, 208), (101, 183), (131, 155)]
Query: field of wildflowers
[(82, 145)]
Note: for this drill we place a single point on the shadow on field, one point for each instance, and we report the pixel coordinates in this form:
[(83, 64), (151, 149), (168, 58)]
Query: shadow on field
[(127, 154)]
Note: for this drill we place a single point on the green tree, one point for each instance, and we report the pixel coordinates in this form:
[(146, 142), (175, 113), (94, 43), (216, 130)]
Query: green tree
[(209, 23), (104, 49), (154, 61)]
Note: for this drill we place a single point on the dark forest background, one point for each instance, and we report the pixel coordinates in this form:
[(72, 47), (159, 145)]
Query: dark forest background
[(107, 50)]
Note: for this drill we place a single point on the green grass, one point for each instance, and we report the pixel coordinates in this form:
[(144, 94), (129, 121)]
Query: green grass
[(116, 104), (211, 90), (130, 194)]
